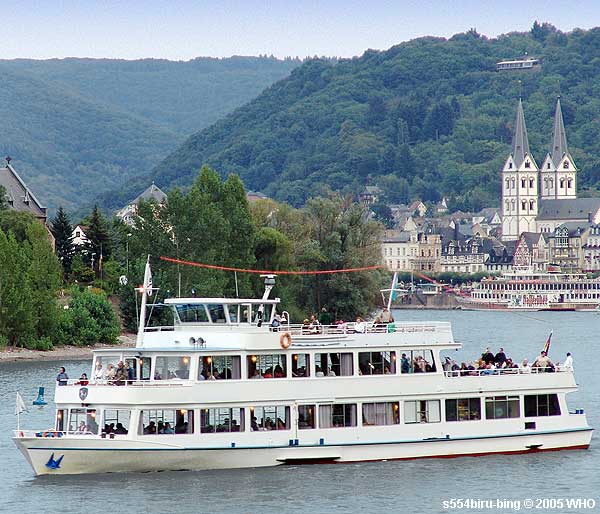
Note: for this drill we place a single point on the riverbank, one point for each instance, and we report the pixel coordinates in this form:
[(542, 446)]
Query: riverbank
[(61, 352)]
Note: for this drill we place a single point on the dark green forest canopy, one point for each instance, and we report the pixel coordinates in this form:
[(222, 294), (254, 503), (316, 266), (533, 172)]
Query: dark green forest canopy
[(426, 118), (76, 127)]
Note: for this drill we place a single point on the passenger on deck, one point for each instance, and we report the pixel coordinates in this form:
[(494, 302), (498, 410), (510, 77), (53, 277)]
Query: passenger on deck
[(500, 357), (360, 326), (121, 374), (543, 362), (314, 326), (130, 372), (111, 372), (99, 373), (386, 316), (404, 364), (62, 377), (568, 364), (276, 323), (83, 380), (525, 367), (487, 356)]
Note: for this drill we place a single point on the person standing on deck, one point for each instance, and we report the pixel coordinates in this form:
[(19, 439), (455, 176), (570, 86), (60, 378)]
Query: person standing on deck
[(568, 364)]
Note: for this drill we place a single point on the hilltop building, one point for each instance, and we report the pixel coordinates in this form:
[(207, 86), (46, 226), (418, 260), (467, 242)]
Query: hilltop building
[(541, 199)]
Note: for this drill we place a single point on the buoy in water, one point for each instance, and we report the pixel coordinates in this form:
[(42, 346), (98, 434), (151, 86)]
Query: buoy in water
[(40, 398)]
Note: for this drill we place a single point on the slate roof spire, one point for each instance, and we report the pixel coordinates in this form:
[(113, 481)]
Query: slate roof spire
[(520, 142), (558, 145)]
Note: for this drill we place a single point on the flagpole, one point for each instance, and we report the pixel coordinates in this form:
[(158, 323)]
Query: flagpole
[(393, 291), (147, 284)]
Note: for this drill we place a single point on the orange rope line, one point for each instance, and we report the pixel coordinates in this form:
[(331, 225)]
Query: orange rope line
[(268, 272)]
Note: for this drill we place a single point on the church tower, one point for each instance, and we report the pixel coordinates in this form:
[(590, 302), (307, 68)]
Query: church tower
[(519, 184), (558, 174)]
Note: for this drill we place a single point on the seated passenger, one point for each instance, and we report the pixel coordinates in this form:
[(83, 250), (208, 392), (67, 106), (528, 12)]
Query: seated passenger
[(234, 426), (280, 424), (161, 427), (525, 367), (150, 429), (82, 428), (319, 372), (168, 429), (253, 424), (120, 374), (360, 326), (120, 429), (331, 373), (279, 372), (268, 373), (256, 374), (404, 364)]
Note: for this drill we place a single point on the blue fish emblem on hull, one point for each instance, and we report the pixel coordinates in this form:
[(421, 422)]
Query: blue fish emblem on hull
[(52, 463)]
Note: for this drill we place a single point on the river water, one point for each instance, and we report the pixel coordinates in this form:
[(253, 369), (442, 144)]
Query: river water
[(400, 486)]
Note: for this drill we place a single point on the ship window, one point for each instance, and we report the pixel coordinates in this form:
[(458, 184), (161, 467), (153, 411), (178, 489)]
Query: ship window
[(300, 365), (83, 421), (422, 411), (270, 418), (334, 365), (217, 313), (267, 366), (172, 368), (463, 409), (221, 420), (541, 405), (192, 313), (60, 419), (500, 407), (417, 361), (377, 363), (337, 415), (167, 421), (116, 421), (105, 361), (219, 367), (381, 413), (306, 417), (234, 313), (145, 364)]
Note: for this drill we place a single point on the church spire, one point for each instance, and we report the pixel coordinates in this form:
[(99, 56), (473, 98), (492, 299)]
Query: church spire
[(558, 145), (520, 142)]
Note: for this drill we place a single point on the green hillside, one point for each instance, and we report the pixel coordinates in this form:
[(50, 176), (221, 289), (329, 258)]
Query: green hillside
[(426, 118), (76, 127)]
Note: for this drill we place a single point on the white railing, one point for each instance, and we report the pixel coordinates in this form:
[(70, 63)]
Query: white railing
[(129, 383), (352, 327), (502, 371)]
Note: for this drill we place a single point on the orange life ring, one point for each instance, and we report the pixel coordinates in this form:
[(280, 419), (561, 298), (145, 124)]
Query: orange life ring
[(285, 340)]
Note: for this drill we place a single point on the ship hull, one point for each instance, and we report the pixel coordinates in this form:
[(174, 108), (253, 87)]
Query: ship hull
[(137, 456)]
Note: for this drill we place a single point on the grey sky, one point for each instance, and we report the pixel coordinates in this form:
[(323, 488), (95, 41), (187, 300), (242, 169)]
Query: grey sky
[(183, 29)]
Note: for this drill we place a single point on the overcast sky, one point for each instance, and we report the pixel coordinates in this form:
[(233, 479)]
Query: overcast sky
[(183, 29)]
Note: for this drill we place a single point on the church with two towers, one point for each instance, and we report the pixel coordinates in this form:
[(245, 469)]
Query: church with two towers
[(538, 199)]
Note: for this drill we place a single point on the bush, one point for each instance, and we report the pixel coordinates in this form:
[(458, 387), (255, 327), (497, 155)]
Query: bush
[(3, 341), (88, 320)]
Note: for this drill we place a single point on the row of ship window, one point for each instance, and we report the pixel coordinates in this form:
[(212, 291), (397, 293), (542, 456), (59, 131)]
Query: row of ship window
[(275, 365), (278, 417)]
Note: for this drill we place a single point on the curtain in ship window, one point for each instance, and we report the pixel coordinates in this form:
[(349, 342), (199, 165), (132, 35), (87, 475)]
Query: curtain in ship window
[(410, 412), (350, 420), (433, 411), (378, 413), (325, 415), (236, 368), (346, 364)]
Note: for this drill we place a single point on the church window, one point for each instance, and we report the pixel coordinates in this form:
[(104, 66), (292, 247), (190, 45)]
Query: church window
[(523, 182), (551, 183), (507, 184), (566, 165), (510, 165), (507, 206), (527, 164), (524, 205), (548, 166), (530, 182), (531, 205), (569, 183), (562, 182)]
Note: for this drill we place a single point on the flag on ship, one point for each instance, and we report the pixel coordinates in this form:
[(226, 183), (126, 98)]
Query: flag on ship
[(394, 287), (19, 405), (547, 345), (147, 288)]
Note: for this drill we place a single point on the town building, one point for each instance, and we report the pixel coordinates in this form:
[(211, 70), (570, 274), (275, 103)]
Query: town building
[(419, 250), (152, 193), (567, 244), (80, 238), (591, 250), (369, 195), (18, 196), (531, 253)]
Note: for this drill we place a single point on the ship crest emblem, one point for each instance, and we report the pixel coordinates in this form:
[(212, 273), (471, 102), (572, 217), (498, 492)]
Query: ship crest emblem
[(54, 463), (83, 392)]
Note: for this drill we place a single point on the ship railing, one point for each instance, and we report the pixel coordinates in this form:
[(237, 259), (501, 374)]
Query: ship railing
[(504, 371), (300, 329), (171, 382)]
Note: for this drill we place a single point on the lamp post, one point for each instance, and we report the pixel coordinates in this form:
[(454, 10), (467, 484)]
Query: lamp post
[(127, 252)]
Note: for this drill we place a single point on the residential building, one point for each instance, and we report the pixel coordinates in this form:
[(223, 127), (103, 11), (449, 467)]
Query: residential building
[(79, 236), (18, 196), (567, 244), (412, 251), (531, 253), (591, 250), (369, 195)]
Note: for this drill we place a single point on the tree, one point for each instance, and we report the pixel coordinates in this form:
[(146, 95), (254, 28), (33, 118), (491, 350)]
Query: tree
[(383, 214), (3, 202), (62, 230), (98, 245)]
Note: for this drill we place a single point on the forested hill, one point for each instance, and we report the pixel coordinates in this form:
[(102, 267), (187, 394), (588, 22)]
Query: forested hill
[(75, 127), (426, 118)]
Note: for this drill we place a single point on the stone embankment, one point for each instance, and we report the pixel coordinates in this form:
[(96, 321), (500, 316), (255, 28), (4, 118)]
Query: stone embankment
[(427, 301)]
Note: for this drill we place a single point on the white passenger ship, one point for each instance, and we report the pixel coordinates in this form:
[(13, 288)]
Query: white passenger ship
[(535, 291), (222, 388)]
